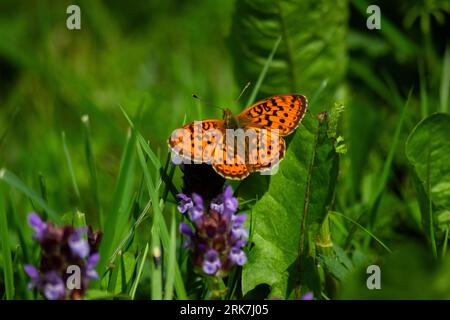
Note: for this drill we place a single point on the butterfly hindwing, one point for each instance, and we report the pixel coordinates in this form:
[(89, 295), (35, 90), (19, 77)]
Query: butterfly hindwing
[(231, 171), (266, 150)]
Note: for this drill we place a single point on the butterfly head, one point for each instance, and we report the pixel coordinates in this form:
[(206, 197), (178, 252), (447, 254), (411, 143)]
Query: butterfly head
[(231, 120)]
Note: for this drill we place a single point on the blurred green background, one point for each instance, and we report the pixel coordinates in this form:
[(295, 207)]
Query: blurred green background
[(163, 51)]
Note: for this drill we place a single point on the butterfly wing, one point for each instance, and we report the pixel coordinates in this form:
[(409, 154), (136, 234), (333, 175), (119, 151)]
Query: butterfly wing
[(197, 141), (231, 171), (265, 150), (282, 112), (228, 161)]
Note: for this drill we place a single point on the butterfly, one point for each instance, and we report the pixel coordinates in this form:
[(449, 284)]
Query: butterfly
[(259, 146)]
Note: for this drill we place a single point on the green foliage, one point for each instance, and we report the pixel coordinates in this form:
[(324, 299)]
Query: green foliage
[(427, 150), (356, 184), (289, 215), (312, 48)]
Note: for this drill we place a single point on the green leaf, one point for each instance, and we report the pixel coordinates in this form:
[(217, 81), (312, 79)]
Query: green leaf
[(427, 150), (12, 180), (311, 51), (6, 252), (289, 214)]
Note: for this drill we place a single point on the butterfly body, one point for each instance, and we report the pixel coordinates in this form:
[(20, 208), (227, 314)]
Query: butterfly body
[(240, 144)]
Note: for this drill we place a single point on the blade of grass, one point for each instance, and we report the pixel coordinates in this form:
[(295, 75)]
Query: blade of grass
[(112, 223), (157, 214), (179, 284), (91, 165), (318, 92), (112, 283), (335, 213), (445, 81), (263, 73), (6, 253), (70, 167), (16, 183), (423, 90), (139, 272), (157, 209), (43, 190), (444, 246), (170, 273), (19, 225), (152, 156), (388, 164)]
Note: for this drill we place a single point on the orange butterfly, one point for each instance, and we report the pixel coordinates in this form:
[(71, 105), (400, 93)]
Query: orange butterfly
[(240, 144)]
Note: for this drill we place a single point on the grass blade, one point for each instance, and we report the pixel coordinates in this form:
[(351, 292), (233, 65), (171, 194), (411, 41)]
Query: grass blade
[(70, 166), (114, 222), (263, 73), (157, 215), (16, 183), (170, 273), (91, 164), (139, 272), (364, 229), (388, 164), (445, 81), (6, 253)]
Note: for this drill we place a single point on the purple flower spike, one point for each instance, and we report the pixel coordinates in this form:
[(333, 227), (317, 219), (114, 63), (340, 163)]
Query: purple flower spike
[(62, 247), (185, 203), (211, 262), (90, 265), (239, 232), (33, 273), (195, 214), (308, 296), (217, 234), (198, 201), (78, 245), (54, 288), (238, 256), (217, 207), (38, 226), (239, 220), (230, 203), (186, 229)]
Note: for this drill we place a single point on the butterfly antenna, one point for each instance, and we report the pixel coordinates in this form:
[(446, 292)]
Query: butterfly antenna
[(204, 101), (242, 92)]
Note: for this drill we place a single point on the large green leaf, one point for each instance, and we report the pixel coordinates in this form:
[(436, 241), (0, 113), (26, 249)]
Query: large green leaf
[(312, 49), (288, 215), (427, 149)]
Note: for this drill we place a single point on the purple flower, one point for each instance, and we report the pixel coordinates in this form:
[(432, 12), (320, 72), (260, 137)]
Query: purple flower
[(308, 296), (90, 265), (196, 212), (38, 226), (62, 247), (218, 207), (186, 229), (78, 245), (33, 273), (54, 288), (238, 256), (211, 262), (218, 234), (230, 203), (185, 203)]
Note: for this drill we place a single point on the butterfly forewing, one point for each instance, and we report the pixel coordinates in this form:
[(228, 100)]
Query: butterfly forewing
[(197, 141), (283, 112)]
